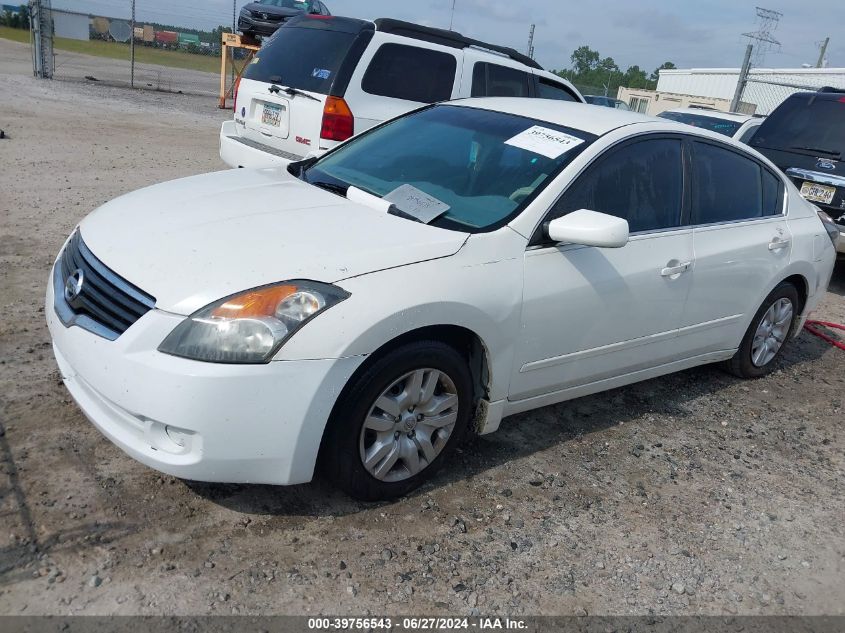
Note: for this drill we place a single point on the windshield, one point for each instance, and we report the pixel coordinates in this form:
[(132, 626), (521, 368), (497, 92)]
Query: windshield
[(318, 56), (472, 170), (805, 122), (304, 5), (714, 124)]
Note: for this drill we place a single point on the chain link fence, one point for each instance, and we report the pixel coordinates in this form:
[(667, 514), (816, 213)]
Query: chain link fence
[(767, 90), (157, 51)]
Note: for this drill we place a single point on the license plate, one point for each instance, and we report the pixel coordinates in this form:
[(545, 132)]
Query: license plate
[(272, 115), (818, 193)]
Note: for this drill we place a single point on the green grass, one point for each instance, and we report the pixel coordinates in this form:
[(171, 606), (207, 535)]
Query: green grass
[(114, 50)]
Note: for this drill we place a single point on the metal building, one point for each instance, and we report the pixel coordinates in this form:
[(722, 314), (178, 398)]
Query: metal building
[(766, 88)]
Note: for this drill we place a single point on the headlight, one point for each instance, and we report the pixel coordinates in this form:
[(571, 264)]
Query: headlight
[(251, 326)]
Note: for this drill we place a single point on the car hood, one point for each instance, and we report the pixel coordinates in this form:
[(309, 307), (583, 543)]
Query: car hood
[(193, 241), (287, 12)]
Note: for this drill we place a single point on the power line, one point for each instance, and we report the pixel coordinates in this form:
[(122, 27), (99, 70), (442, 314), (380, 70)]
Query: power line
[(762, 39)]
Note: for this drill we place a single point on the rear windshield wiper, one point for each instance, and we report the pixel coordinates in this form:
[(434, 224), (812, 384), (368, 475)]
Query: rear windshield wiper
[(819, 150), (291, 91)]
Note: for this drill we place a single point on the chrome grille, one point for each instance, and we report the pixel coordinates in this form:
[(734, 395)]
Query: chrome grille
[(90, 295)]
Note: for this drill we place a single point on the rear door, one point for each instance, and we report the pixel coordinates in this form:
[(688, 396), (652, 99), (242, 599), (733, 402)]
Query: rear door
[(398, 74), (310, 55), (742, 244)]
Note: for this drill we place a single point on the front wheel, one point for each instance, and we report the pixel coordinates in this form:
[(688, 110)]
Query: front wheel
[(399, 421), (770, 328)]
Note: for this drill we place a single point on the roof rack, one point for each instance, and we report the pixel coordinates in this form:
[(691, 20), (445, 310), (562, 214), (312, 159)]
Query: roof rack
[(831, 89), (448, 38)]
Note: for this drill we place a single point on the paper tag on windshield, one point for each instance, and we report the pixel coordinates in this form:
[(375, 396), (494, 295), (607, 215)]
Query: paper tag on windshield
[(542, 140), (416, 203)]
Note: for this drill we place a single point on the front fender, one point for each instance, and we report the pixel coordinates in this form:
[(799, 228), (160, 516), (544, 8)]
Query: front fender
[(480, 294)]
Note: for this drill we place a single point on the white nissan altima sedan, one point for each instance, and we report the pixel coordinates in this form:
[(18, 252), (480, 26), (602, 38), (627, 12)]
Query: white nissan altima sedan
[(462, 263)]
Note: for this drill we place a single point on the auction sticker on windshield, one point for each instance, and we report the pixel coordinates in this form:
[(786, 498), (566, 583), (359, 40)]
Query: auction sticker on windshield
[(542, 140), (417, 203)]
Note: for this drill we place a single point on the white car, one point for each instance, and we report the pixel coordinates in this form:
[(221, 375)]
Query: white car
[(322, 79), (454, 266), (739, 126)]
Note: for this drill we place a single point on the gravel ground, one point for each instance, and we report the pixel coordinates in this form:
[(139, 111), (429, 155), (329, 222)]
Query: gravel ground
[(692, 494)]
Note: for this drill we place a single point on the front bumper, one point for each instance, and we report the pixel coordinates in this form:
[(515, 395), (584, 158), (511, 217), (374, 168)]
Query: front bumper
[(194, 420), (236, 151), (251, 24)]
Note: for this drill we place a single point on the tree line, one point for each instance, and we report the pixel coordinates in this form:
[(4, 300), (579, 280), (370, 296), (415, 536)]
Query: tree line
[(588, 68), (19, 20)]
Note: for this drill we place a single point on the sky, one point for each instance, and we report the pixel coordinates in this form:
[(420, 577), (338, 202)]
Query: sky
[(689, 33)]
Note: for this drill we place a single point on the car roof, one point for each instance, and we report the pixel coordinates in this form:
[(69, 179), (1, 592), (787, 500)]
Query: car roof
[(579, 116), (714, 114)]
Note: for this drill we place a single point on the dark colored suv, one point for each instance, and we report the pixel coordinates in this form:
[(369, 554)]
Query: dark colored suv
[(805, 138), (264, 17)]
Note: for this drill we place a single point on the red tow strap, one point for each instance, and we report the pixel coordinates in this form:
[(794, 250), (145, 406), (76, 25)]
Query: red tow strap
[(810, 327)]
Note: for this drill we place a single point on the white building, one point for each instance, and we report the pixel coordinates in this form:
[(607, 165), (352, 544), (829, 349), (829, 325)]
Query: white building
[(766, 88)]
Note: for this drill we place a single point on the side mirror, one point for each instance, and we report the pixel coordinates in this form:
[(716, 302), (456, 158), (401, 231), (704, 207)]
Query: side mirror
[(589, 228)]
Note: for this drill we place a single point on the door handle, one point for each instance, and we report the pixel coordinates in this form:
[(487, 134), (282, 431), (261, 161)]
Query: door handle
[(778, 243), (673, 269)]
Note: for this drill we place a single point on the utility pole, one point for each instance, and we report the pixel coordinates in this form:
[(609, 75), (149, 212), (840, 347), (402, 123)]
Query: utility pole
[(234, 30), (742, 79), (132, 49), (820, 63), (531, 42), (452, 18)]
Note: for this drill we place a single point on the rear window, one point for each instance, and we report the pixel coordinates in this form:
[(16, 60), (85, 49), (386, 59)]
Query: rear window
[(805, 123), (304, 58), (714, 124), (727, 187), (550, 90), (411, 73), (492, 80)]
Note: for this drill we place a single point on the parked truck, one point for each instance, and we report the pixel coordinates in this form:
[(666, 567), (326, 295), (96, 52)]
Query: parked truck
[(167, 39)]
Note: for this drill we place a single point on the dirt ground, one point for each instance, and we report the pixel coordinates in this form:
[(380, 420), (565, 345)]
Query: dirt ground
[(692, 494)]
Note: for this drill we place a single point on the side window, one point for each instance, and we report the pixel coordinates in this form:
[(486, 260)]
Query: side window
[(747, 134), (772, 194), (547, 89), (492, 80), (641, 182), (410, 73), (725, 186)]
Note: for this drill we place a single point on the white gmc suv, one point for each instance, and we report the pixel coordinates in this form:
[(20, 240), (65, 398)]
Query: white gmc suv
[(321, 79)]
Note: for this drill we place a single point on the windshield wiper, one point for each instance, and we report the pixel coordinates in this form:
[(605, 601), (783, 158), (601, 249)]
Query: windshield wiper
[(330, 186), (290, 91), (818, 150)]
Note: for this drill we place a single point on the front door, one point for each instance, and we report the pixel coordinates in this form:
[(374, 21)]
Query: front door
[(593, 313)]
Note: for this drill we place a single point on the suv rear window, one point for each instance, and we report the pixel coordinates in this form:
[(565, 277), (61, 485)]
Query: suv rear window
[(411, 73), (304, 58), (492, 80), (550, 90), (812, 123)]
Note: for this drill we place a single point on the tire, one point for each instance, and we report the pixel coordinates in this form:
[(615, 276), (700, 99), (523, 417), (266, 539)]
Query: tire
[(749, 361), (417, 438)]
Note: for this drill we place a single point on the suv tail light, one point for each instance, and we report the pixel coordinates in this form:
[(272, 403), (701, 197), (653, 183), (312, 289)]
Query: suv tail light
[(338, 122), (235, 94)]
